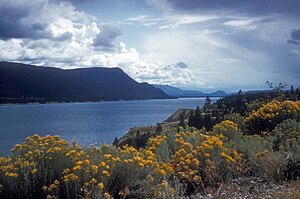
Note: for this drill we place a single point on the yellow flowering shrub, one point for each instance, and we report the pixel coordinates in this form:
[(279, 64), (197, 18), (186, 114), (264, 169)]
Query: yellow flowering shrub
[(203, 159), (228, 129), (225, 126), (272, 114), (32, 164), (50, 167)]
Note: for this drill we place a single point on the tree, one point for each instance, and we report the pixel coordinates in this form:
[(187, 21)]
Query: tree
[(240, 92), (239, 102), (137, 139), (191, 118), (292, 89), (116, 141), (138, 133), (159, 128), (198, 119), (207, 101), (181, 120), (207, 121), (197, 112), (214, 112)]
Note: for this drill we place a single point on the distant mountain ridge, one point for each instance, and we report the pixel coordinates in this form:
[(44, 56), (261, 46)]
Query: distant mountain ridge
[(177, 92), (21, 83)]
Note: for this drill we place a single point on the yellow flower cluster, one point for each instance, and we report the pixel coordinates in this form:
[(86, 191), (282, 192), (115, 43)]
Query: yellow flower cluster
[(145, 158), (276, 109), (196, 156), (87, 172), (225, 125), (271, 114)]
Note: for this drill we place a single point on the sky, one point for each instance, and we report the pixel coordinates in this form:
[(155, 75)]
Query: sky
[(191, 44)]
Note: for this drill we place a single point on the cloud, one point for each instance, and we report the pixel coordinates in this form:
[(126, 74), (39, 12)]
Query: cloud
[(247, 24), (138, 18), (190, 19), (223, 60), (181, 65), (290, 41), (11, 20), (295, 35), (160, 4), (171, 21), (54, 33), (174, 21), (57, 35), (38, 19), (160, 73), (253, 7), (107, 36), (225, 43), (145, 20)]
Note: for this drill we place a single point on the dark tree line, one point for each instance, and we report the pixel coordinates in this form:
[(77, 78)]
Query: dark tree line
[(200, 119), (213, 113)]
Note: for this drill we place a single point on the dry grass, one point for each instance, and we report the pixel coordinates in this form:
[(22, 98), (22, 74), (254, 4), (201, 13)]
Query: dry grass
[(256, 189)]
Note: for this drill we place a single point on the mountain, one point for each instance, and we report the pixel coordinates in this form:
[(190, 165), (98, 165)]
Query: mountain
[(218, 94), (20, 83), (176, 92)]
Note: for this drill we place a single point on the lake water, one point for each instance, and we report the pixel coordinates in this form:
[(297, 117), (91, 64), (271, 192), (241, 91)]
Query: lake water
[(87, 123)]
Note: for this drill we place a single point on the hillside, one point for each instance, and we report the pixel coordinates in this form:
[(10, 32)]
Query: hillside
[(20, 83), (177, 92)]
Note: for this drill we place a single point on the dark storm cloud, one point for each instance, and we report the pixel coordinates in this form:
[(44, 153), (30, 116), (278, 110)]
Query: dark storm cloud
[(64, 37), (293, 42), (252, 7), (11, 25), (295, 35), (181, 65), (14, 21), (107, 36)]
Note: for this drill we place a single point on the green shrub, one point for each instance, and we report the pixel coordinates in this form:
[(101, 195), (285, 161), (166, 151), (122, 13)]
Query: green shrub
[(237, 119), (286, 139), (287, 136)]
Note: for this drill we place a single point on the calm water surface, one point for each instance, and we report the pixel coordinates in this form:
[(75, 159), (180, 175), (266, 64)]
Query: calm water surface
[(87, 123)]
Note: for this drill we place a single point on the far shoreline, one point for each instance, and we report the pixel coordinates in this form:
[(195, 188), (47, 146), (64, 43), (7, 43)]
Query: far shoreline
[(82, 102), (77, 102)]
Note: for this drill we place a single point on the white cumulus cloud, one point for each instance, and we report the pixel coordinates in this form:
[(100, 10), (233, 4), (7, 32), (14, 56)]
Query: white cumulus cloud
[(54, 33)]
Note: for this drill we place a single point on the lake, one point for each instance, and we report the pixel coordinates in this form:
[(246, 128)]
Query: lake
[(87, 123)]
